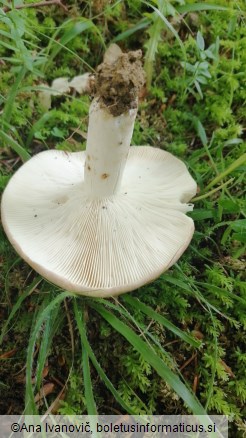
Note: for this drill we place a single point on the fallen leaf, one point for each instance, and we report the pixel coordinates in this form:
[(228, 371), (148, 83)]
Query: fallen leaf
[(8, 354), (197, 334), (47, 389), (227, 368)]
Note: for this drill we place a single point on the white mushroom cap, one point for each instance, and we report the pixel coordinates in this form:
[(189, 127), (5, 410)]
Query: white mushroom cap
[(99, 247)]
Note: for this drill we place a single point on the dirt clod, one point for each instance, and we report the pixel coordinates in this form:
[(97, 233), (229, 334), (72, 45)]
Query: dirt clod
[(119, 80)]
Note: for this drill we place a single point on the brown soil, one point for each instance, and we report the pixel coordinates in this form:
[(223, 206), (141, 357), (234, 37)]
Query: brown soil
[(119, 80)]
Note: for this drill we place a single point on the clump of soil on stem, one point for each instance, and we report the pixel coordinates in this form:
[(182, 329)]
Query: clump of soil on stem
[(119, 80)]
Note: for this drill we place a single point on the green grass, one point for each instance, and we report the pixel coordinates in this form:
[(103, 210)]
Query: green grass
[(177, 344)]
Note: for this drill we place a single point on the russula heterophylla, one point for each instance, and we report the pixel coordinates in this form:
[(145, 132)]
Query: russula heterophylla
[(112, 218)]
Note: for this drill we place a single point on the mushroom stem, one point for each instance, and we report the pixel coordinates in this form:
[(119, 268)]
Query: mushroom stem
[(108, 142)]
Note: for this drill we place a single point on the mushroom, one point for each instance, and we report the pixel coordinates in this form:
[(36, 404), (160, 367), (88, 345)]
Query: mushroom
[(112, 218)]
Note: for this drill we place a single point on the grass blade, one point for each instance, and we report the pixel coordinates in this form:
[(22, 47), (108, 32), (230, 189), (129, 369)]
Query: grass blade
[(196, 7), (211, 192), (222, 292), (17, 305), (215, 359), (178, 282), (23, 154), (101, 373), (43, 352), (162, 320), (142, 24), (239, 162), (7, 111), (168, 24), (39, 125), (70, 34), (90, 401), (74, 29), (151, 357), (143, 329), (158, 22), (51, 325), (30, 402)]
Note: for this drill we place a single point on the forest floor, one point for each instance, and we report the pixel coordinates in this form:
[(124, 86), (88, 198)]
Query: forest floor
[(193, 106)]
